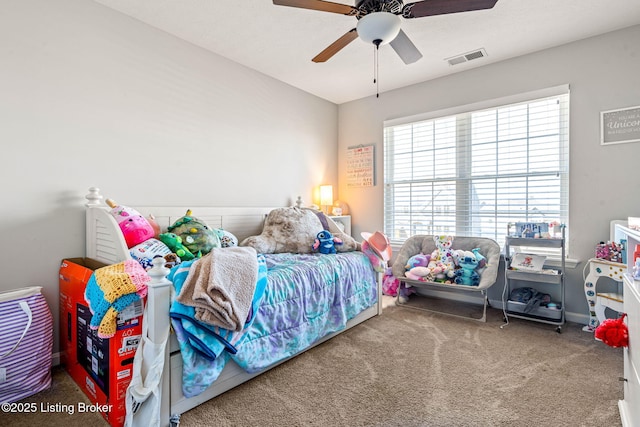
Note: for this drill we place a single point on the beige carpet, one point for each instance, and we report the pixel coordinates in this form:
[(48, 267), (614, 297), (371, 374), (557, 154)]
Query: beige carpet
[(411, 368)]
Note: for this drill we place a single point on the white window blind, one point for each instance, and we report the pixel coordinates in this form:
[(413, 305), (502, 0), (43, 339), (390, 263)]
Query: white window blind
[(473, 172)]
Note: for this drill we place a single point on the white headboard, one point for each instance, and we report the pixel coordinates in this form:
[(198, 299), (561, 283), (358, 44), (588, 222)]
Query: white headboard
[(105, 242)]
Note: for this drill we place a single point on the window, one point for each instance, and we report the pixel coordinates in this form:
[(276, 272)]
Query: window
[(470, 173)]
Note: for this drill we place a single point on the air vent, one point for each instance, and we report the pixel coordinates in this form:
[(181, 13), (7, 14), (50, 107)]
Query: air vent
[(466, 57)]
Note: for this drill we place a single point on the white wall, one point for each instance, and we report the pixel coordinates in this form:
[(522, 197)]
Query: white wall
[(603, 75), (90, 97)]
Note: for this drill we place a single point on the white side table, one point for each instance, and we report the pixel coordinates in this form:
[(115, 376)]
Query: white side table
[(345, 221)]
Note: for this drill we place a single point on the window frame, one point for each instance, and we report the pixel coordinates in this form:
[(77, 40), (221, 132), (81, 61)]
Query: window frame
[(468, 110)]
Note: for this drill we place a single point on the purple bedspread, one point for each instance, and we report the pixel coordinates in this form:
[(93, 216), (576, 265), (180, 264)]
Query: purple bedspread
[(307, 297)]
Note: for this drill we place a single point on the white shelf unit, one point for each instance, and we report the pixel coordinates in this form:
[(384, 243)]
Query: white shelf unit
[(546, 282), (345, 220), (630, 406)]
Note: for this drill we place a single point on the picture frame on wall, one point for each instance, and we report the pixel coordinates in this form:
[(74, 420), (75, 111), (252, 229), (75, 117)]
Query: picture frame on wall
[(620, 126)]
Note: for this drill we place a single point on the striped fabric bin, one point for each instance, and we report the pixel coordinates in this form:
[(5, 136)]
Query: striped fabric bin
[(26, 343)]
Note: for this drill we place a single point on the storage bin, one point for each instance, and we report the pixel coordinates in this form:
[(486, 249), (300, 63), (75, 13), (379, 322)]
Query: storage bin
[(26, 343)]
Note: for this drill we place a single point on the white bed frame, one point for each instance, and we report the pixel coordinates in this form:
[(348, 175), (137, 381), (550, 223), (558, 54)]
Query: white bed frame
[(104, 242)]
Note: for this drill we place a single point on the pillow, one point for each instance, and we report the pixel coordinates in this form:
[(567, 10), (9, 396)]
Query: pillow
[(146, 251), (227, 239), (294, 230)]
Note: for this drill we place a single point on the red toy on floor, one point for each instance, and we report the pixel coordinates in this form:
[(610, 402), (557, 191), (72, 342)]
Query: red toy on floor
[(613, 332)]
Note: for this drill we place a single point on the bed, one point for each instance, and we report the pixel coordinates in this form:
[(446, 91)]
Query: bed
[(104, 242)]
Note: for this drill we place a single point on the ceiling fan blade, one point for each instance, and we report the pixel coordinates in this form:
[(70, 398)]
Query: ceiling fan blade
[(405, 48), (335, 47), (442, 7), (321, 5)]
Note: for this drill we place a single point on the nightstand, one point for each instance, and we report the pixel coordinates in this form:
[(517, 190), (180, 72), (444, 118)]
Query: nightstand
[(344, 221)]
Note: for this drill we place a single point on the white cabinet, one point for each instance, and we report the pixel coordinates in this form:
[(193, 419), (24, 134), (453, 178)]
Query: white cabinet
[(544, 282), (630, 406)]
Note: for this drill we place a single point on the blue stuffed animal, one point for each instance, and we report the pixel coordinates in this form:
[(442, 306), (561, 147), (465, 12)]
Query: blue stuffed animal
[(467, 274), (325, 243)]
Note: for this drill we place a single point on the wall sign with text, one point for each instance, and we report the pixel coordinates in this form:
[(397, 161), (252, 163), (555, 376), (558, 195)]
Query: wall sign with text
[(360, 166), (618, 126)]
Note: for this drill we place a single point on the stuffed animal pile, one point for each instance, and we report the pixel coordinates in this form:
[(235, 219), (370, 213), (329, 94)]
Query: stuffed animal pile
[(186, 239), (446, 265)]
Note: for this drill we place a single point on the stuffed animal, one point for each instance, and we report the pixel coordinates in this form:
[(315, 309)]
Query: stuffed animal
[(171, 260), (443, 252), (419, 260), (422, 273), (404, 291), (325, 243), (196, 235), (467, 274), (174, 242), (482, 261), (146, 251), (390, 283), (135, 228), (613, 332)]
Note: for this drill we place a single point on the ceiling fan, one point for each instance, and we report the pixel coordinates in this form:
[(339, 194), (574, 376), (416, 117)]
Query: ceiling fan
[(379, 22)]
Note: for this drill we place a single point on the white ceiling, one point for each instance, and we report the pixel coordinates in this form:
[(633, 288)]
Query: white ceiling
[(280, 41)]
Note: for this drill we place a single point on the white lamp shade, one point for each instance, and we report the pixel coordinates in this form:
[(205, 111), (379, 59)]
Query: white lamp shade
[(326, 195), (382, 26)]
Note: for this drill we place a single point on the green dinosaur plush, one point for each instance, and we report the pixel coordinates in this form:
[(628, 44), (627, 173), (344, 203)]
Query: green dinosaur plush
[(174, 242), (196, 235)]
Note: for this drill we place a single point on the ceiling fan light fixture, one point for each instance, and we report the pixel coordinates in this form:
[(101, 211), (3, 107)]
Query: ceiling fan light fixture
[(378, 27)]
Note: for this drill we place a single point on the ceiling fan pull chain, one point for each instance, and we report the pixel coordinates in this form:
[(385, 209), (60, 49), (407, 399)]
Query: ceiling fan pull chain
[(376, 72)]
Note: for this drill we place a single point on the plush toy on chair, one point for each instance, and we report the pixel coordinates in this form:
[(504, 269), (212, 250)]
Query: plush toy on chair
[(467, 274)]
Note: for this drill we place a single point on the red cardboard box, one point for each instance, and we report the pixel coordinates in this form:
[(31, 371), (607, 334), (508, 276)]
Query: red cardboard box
[(101, 367)]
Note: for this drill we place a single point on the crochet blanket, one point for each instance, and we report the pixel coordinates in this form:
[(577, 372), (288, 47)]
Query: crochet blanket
[(221, 285), (110, 290)]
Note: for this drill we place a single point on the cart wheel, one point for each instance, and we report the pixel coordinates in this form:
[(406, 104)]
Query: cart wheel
[(559, 329)]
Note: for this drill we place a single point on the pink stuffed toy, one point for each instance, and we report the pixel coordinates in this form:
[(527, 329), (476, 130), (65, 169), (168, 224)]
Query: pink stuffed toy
[(135, 228), (390, 283)]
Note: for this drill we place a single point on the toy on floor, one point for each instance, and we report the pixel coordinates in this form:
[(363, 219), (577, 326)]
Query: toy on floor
[(613, 332), (390, 283), (196, 235), (325, 243), (135, 228), (404, 291)]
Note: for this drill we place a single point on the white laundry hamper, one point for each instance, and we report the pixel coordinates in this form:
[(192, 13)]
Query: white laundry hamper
[(26, 343)]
